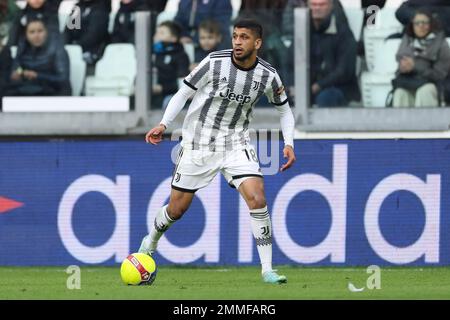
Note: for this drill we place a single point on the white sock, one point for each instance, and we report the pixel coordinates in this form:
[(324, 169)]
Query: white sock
[(161, 223), (262, 231)]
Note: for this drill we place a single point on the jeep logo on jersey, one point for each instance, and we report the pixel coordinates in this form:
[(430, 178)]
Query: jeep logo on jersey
[(235, 97)]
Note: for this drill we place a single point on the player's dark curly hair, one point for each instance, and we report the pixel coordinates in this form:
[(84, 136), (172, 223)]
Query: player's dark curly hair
[(250, 24)]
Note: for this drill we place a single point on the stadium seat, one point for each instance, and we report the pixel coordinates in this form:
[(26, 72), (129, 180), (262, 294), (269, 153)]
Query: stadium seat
[(385, 57), (115, 72), (190, 51), (374, 36), (376, 84), (77, 68)]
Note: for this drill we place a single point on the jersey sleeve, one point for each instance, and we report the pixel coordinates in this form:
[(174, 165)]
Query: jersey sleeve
[(199, 76), (275, 91)]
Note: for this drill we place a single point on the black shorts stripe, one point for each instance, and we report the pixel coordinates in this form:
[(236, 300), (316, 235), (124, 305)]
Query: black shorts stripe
[(184, 190), (246, 175), (281, 103), (189, 85)]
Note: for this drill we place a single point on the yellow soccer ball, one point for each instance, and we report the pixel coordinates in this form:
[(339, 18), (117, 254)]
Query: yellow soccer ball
[(138, 269)]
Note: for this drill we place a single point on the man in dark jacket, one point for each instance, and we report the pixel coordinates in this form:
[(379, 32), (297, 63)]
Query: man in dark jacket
[(35, 9), (406, 11), (333, 51), (192, 12), (93, 34)]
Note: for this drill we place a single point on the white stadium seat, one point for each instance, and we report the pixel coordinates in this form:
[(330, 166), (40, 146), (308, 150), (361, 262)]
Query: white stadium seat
[(77, 68), (374, 36), (115, 72), (376, 84)]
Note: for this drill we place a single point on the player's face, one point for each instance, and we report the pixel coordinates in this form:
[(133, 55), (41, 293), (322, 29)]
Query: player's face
[(245, 43)]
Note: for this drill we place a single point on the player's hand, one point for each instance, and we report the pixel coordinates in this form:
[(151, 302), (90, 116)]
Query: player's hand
[(154, 136), (288, 152)]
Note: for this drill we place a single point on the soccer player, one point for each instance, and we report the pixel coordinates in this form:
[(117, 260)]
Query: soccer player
[(225, 87)]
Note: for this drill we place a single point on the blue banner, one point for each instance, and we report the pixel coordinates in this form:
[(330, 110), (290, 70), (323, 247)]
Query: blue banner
[(344, 203)]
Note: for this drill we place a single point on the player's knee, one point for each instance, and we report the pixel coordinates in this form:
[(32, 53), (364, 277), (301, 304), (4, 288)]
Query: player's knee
[(257, 201)]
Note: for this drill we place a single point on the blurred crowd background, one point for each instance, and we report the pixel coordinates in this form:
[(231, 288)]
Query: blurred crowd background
[(362, 53)]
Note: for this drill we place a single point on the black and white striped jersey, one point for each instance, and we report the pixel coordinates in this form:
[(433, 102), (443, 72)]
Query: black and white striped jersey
[(221, 109)]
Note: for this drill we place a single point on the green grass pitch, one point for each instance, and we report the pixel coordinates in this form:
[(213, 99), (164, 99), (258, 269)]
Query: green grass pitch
[(233, 283)]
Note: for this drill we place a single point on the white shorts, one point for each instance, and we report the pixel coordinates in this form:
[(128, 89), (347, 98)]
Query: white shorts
[(195, 169)]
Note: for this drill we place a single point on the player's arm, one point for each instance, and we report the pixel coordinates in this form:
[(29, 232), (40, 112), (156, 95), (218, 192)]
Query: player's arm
[(278, 97), (195, 80), (176, 104), (287, 123)]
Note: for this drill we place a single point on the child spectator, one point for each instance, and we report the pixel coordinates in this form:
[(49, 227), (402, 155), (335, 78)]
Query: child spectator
[(209, 40), (192, 12), (170, 60), (41, 67)]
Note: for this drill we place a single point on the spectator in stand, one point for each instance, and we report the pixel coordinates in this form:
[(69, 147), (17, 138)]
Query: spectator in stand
[(93, 34), (424, 62), (407, 10), (192, 12), (8, 10), (288, 33), (288, 14), (5, 69), (269, 13), (41, 67), (170, 60), (34, 9), (155, 7), (8, 13), (209, 38), (123, 31), (332, 57)]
